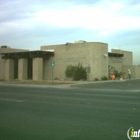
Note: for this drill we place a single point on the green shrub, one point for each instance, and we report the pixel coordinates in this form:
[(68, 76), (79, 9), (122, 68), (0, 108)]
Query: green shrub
[(96, 79), (112, 70), (76, 72), (69, 71), (118, 74), (104, 78)]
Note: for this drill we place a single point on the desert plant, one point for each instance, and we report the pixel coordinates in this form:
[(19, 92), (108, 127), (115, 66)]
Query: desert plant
[(104, 78), (76, 72), (69, 71), (112, 70), (96, 79), (118, 74)]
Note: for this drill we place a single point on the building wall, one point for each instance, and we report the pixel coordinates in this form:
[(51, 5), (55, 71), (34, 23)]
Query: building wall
[(116, 62), (6, 50), (119, 62), (127, 58), (88, 53), (22, 69), (37, 68), (135, 71), (9, 69)]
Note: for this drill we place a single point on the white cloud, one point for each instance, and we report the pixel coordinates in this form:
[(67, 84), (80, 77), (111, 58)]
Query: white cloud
[(41, 22), (116, 5), (95, 17), (103, 17)]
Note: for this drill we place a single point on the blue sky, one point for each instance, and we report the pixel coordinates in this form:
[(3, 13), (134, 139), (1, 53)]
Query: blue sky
[(30, 24)]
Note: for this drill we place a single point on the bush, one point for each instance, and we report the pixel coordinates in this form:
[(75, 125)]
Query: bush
[(118, 74), (112, 70), (76, 72), (104, 78), (69, 71), (96, 79), (1, 79)]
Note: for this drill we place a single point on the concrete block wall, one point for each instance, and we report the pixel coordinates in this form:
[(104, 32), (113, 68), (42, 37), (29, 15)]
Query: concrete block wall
[(22, 69), (9, 69), (7, 50), (37, 68), (135, 71), (98, 62), (127, 58), (125, 70), (87, 53), (2, 67), (116, 62)]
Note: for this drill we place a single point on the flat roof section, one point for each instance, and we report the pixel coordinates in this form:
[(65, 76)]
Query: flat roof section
[(29, 54), (115, 54)]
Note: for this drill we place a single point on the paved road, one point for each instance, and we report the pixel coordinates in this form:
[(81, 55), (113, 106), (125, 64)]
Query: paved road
[(29, 113), (113, 85)]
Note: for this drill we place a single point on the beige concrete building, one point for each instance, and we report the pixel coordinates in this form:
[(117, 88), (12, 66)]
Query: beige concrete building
[(36, 64), (90, 54), (7, 65), (23, 65), (124, 62)]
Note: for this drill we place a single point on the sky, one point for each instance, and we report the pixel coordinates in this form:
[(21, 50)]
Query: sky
[(29, 24)]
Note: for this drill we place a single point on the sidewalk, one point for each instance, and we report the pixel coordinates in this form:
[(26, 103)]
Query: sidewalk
[(50, 84)]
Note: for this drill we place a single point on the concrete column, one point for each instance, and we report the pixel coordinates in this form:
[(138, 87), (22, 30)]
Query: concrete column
[(22, 69), (2, 67), (37, 68), (9, 69)]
